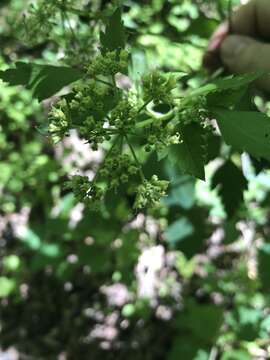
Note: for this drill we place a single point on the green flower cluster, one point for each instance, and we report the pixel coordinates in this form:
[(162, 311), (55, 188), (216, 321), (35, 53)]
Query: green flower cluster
[(117, 169), (150, 192), (85, 112), (101, 112), (123, 116), (94, 132), (38, 23), (161, 136), (194, 111), (158, 88), (111, 63), (86, 191), (59, 123), (88, 97)]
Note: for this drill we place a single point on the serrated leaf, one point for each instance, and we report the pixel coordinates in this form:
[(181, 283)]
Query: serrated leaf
[(231, 233), (246, 131), (190, 154), (114, 36), (231, 184), (226, 83), (43, 80)]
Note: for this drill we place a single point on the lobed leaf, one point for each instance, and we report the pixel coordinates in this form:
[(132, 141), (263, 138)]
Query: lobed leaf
[(231, 184), (246, 131), (43, 80), (114, 36), (190, 154)]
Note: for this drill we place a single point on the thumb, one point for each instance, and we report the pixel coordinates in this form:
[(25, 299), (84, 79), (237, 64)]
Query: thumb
[(243, 54)]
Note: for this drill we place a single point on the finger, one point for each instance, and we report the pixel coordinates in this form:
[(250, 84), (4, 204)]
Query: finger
[(211, 59), (218, 36), (242, 54), (252, 19)]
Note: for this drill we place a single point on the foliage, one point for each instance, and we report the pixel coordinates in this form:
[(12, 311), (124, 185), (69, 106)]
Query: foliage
[(134, 186)]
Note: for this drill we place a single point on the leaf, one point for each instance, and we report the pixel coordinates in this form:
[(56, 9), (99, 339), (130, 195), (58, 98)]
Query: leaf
[(31, 239), (114, 36), (231, 184), (213, 146), (194, 242), (226, 83), (7, 286), (11, 263), (190, 154), (184, 347), (245, 131), (236, 355), (199, 315), (245, 322), (178, 231), (231, 233), (43, 80), (259, 164), (182, 192)]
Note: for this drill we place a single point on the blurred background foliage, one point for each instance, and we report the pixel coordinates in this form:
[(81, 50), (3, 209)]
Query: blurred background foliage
[(185, 281)]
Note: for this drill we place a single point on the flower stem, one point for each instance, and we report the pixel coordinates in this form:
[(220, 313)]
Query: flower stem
[(135, 158)]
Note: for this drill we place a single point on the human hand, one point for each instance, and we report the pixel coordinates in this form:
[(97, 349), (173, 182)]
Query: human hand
[(245, 47)]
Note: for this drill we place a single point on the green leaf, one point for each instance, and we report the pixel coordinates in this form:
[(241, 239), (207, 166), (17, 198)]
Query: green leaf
[(184, 347), (43, 80), (231, 232), (236, 355), (7, 286), (231, 184), (31, 239), (195, 242), (213, 147), (11, 263), (114, 36), (226, 83), (246, 131), (182, 192), (190, 154), (50, 250), (178, 230), (199, 315), (245, 322)]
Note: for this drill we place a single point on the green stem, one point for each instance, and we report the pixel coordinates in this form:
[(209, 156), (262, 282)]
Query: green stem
[(144, 106), (70, 28), (107, 155), (103, 82), (135, 158), (148, 122), (82, 13), (113, 81)]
